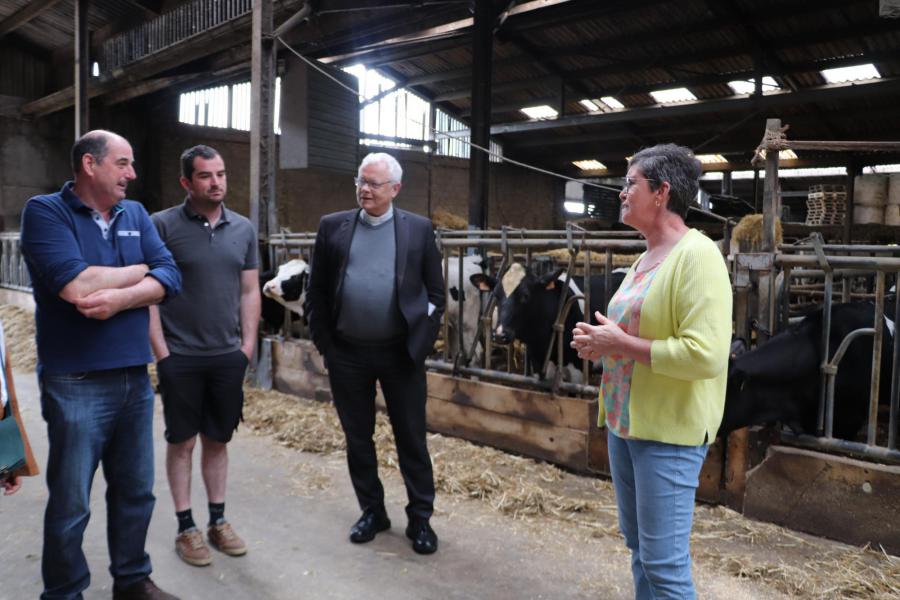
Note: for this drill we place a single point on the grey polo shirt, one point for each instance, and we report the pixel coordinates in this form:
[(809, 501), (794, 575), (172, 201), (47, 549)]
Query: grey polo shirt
[(205, 319)]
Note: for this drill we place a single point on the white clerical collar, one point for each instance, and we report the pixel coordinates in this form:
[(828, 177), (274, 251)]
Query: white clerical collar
[(375, 221)]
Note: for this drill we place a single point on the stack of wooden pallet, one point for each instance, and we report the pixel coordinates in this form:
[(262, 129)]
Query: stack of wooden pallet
[(826, 205)]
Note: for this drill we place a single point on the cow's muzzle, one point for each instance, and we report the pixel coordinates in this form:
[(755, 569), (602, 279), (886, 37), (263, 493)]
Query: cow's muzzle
[(503, 335)]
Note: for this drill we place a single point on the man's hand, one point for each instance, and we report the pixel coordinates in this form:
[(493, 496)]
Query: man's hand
[(248, 350), (102, 304)]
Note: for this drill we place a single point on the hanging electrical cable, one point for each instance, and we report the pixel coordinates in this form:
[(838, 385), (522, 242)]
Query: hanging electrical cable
[(445, 134)]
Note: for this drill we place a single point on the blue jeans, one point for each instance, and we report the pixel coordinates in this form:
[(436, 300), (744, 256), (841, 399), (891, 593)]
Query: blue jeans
[(655, 488), (92, 417)]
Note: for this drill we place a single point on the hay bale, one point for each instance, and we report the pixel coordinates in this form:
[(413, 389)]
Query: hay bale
[(561, 255), (18, 327), (870, 190), (749, 231), (444, 219)]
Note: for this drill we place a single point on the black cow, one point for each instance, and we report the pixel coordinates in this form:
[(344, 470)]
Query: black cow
[(781, 380), (528, 305)]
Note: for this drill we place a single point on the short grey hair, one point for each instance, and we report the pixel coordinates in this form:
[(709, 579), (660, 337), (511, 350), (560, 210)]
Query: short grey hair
[(675, 164), (393, 166)]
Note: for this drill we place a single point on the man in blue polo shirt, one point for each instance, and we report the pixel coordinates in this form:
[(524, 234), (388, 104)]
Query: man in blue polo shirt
[(96, 262)]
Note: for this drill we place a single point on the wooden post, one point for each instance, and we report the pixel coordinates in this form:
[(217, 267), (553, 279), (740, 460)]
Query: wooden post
[(771, 192), (82, 68), (479, 161), (263, 210), (736, 464)]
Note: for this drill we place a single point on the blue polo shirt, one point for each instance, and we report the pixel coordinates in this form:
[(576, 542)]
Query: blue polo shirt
[(60, 240)]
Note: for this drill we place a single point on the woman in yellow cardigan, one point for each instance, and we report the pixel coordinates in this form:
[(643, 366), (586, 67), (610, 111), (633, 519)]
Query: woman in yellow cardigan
[(664, 344)]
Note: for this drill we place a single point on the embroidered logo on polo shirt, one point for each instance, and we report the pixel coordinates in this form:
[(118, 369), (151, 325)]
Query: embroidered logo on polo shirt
[(128, 233)]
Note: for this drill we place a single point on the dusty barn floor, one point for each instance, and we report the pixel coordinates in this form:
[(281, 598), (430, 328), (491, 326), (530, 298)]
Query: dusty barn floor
[(509, 527)]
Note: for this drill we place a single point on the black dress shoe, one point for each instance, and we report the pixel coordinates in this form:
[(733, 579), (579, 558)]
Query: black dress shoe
[(423, 537), (371, 522)]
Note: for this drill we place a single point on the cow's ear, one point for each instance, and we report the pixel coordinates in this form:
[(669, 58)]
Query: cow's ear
[(483, 282), (549, 280)]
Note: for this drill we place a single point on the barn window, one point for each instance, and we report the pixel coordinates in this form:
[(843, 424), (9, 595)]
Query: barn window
[(390, 112), (457, 146), (225, 106)]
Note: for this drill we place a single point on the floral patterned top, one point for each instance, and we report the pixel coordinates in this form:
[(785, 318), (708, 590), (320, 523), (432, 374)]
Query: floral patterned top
[(624, 309)]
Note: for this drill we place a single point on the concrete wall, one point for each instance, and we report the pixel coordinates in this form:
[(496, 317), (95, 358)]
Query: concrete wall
[(34, 159)]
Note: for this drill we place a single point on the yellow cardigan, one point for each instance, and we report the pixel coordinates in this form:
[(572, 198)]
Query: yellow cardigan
[(679, 398)]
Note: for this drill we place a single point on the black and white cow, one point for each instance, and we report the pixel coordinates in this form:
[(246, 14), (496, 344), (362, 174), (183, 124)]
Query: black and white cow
[(285, 288), (470, 296), (527, 311), (780, 380)]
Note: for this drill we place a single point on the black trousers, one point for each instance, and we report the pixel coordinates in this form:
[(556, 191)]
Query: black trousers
[(353, 369)]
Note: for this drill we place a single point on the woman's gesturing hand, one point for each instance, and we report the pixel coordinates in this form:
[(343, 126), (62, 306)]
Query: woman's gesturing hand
[(594, 341)]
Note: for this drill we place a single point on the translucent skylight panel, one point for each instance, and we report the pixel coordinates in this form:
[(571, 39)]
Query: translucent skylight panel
[(855, 73), (589, 165), (711, 159), (540, 112), (589, 104), (807, 172), (894, 168), (673, 95), (611, 102), (743, 86), (782, 154), (574, 207)]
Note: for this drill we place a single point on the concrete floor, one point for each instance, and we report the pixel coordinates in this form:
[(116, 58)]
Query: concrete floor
[(295, 509)]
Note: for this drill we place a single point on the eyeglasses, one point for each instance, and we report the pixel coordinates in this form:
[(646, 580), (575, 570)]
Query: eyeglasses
[(630, 182), (373, 185)]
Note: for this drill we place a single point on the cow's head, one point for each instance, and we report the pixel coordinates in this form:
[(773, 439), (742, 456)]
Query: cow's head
[(524, 295), (288, 287)]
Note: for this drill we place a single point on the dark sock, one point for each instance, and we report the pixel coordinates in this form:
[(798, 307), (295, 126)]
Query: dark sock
[(185, 520), (216, 513)]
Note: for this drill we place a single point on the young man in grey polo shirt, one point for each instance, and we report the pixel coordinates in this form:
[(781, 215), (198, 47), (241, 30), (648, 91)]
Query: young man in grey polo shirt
[(203, 341)]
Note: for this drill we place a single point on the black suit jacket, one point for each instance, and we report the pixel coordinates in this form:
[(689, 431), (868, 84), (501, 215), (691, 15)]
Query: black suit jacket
[(419, 279)]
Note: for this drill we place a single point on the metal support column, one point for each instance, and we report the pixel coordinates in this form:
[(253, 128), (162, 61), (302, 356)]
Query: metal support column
[(727, 187), (852, 171), (82, 68), (263, 209), (479, 162)]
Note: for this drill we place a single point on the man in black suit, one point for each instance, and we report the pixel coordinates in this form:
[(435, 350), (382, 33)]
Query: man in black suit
[(374, 305)]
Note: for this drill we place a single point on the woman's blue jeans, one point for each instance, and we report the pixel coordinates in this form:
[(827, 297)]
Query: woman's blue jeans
[(655, 488), (94, 417)]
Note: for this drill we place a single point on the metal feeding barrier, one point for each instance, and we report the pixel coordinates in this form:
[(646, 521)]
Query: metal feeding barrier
[(509, 245), (813, 261), (13, 272)]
